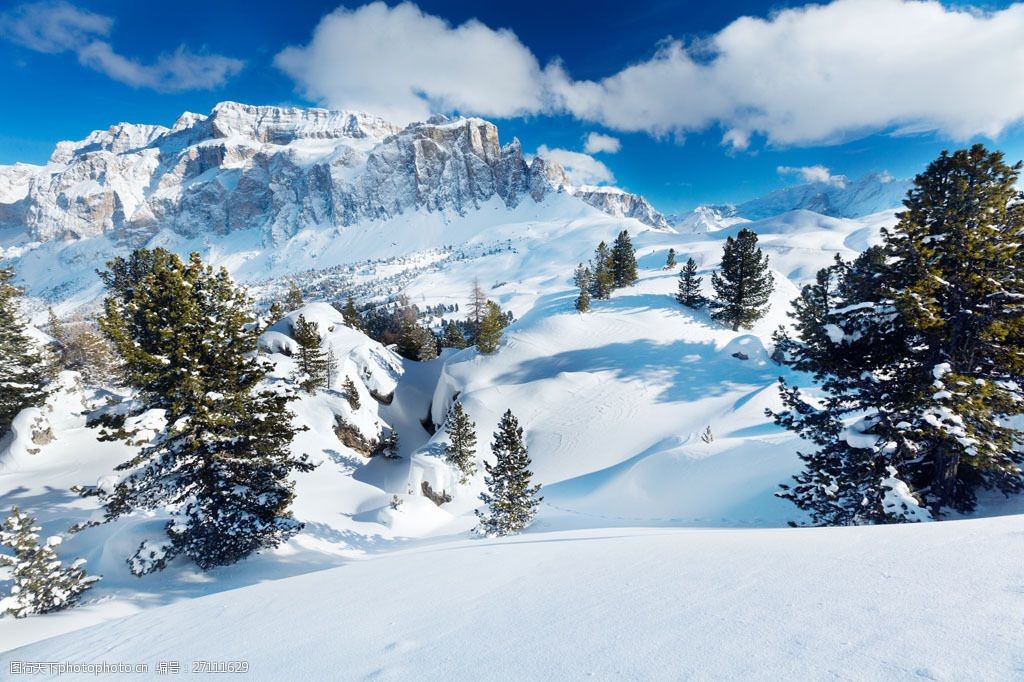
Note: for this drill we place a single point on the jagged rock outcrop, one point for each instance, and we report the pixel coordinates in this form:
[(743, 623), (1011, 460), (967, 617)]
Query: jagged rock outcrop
[(276, 169), (616, 202)]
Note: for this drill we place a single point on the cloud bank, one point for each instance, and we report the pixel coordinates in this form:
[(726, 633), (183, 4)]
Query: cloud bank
[(597, 143), (55, 27), (819, 74), (813, 174), (582, 169)]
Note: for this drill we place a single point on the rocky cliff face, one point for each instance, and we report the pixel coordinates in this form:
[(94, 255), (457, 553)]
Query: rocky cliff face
[(614, 201), (276, 169)]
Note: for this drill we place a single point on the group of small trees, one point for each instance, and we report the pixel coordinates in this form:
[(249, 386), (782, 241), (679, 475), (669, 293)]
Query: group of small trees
[(918, 347), (511, 498), (609, 269), (742, 287)]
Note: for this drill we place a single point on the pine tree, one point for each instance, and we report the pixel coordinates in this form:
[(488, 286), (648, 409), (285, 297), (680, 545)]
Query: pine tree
[(351, 393), (417, 343), (689, 293), (603, 280), (745, 284), (453, 337), (42, 584), (582, 279), (510, 498), (489, 335), (312, 361), (918, 346), (221, 465), (293, 298), (350, 315), (670, 260), (275, 312), (460, 451), (23, 369), (623, 267)]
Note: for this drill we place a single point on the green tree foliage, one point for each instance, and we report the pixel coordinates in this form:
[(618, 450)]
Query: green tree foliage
[(689, 293), (350, 315), (221, 465), (670, 260), (624, 273), (351, 393), (417, 342), (489, 335), (511, 500), (603, 280), (312, 366), (41, 582), (460, 450), (453, 337), (583, 280), (918, 346), (293, 297), (23, 368), (745, 284)]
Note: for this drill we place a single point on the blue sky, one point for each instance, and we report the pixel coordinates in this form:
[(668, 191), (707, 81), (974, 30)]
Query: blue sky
[(706, 106)]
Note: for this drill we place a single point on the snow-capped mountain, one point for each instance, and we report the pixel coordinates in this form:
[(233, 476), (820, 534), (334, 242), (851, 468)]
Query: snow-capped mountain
[(616, 202), (280, 170), (837, 198), (707, 218)]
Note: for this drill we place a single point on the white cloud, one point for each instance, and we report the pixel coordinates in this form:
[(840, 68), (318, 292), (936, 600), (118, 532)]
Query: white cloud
[(816, 173), (809, 75), (54, 27), (596, 143), (582, 169), (403, 64)]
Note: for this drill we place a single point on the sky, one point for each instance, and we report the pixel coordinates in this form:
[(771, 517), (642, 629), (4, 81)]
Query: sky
[(686, 102)]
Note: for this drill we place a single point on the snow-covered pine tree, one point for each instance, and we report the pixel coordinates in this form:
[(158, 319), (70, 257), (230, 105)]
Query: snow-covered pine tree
[(583, 279), (489, 335), (293, 298), (311, 359), (275, 312), (453, 337), (417, 342), (745, 284), (221, 465), (350, 315), (23, 369), (689, 293), (460, 450), (351, 394), (918, 346), (603, 280), (41, 582), (510, 497), (624, 272), (670, 260)]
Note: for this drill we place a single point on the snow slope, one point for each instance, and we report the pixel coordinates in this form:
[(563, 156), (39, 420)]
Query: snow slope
[(849, 603)]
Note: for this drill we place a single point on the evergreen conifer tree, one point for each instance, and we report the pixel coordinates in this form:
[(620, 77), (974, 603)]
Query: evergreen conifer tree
[(670, 260), (489, 335), (623, 268), (460, 451), (293, 298), (23, 368), (603, 280), (351, 393), (582, 279), (417, 342), (351, 316), (41, 582), (221, 465), (510, 498), (453, 337), (689, 293), (275, 312), (918, 346), (312, 361), (745, 284), (477, 310)]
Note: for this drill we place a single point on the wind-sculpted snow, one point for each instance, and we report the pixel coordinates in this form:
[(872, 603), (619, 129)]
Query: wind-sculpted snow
[(277, 170)]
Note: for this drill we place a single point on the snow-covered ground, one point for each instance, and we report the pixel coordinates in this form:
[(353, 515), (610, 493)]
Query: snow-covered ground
[(654, 555), (933, 602)]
